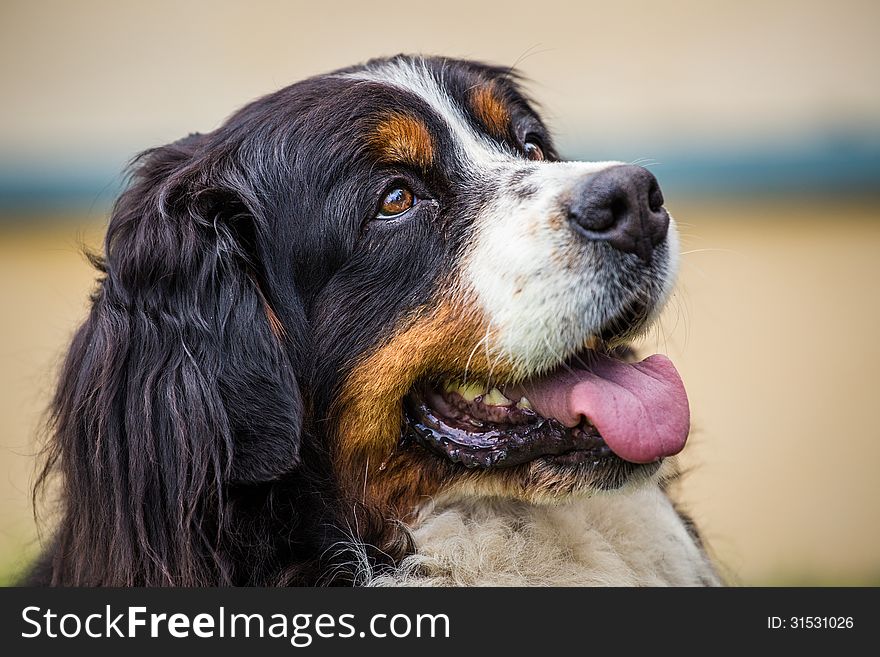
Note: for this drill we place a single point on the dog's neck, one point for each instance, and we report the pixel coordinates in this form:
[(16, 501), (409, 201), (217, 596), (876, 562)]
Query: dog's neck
[(633, 538)]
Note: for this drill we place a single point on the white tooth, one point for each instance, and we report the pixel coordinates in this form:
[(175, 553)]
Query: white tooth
[(495, 398), (524, 404), (470, 391)]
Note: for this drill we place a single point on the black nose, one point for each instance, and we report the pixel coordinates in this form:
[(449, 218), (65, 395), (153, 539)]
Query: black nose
[(621, 205)]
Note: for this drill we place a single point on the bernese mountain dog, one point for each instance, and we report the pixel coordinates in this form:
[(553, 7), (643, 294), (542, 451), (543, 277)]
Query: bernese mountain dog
[(373, 330)]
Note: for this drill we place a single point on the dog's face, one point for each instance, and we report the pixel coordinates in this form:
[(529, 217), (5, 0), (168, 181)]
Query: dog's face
[(468, 292), (449, 299)]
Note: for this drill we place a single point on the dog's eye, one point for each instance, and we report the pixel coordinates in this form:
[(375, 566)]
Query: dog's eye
[(533, 150), (396, 201)]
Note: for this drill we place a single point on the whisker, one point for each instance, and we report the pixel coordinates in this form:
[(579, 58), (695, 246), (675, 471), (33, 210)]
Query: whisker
[(710, 250), (485, 339)]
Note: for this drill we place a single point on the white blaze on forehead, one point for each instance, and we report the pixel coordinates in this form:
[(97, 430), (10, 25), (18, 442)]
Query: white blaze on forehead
[(414, 76)]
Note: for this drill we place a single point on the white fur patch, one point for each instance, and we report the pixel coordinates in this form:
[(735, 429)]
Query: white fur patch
[(612, 539), (542, 289)]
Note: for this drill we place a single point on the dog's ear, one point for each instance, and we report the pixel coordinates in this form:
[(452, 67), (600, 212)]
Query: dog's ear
[(186, 265), (182, 380)]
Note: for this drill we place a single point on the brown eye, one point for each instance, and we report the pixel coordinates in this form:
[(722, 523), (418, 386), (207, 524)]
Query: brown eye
[(397, 201), (533, 151)]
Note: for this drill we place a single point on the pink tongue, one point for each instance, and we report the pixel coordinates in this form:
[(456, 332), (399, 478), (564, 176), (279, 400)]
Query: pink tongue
[(640, 409)]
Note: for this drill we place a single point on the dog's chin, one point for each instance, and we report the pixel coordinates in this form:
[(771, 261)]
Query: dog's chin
[(547, 481)]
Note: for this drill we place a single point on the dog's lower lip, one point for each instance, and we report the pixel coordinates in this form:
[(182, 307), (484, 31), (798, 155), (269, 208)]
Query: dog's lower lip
[(497, 445)]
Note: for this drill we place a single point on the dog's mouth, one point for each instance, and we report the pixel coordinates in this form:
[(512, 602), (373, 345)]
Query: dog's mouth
[(593, 409)]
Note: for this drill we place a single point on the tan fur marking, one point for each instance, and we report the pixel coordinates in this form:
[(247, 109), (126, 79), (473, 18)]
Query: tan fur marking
[(438, 340), (400, 138), (490, 109)]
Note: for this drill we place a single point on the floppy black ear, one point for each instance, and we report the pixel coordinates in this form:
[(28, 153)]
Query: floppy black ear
[(185, 265), (181, 381)]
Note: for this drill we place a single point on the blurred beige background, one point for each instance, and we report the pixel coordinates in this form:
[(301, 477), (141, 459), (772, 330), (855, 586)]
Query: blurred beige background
[(774, 323)]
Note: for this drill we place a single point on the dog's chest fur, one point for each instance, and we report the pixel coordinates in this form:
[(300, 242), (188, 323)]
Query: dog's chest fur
[(622, 539)]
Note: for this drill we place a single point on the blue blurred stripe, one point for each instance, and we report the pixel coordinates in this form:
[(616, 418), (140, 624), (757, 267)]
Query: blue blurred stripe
[(831, 166)]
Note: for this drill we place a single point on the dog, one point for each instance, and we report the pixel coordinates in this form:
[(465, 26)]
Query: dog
[(373, 330)]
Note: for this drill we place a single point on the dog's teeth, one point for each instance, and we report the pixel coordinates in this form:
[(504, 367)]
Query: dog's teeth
[(524, 404), (495, 398), (477, 391), (470, 391)]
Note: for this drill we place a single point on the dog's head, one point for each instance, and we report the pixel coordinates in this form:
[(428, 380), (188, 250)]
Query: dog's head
[(469, 334), (391, 266)]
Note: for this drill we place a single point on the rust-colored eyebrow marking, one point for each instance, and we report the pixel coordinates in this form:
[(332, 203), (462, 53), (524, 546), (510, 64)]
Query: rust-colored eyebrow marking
[(490, 109), (400, 138)]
